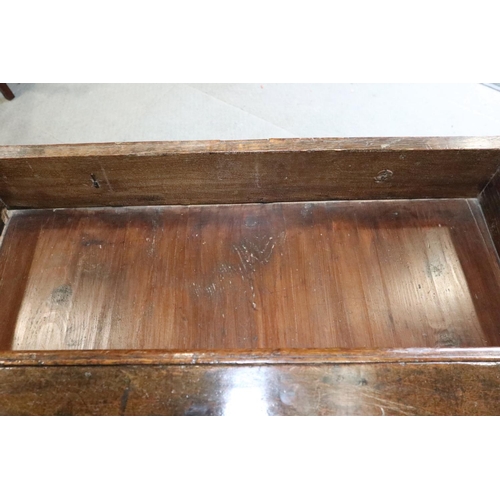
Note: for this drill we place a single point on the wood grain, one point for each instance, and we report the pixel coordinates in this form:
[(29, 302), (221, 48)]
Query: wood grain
[(290, 275), (245, 172), (490, 203), (254, 357), (305, 308), (345, 389), (16, 256)]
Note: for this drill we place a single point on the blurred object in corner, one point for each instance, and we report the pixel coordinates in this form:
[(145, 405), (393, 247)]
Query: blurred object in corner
[(6, 92), (495, 86)]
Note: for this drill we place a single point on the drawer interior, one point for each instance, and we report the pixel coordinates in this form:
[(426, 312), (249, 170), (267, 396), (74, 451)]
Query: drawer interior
[(319, 274)]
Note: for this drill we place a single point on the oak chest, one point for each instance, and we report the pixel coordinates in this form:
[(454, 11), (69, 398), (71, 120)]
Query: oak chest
[(280, 277)]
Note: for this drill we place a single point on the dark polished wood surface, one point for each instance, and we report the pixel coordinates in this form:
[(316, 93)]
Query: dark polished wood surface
[(247, 357), (490, 204), (346, 389), (297, 275), (276, 170)]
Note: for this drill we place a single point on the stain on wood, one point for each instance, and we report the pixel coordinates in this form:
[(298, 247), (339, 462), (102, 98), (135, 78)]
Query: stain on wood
[(245, 172), (300, 275)]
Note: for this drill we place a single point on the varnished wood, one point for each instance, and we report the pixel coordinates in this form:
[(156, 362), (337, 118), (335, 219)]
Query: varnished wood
[(302, 308), (244, 172), (254, 357), (314, 275), (490, 204), (345, 389)]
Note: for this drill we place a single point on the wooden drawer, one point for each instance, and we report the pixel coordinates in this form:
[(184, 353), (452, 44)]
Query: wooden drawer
[(325, 276)]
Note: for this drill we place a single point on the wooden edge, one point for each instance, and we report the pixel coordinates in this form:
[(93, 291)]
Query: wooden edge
[(256, 146), (263, 171), (4, 213), (5, 216), (247, 357), (489, 199), (433, 388)]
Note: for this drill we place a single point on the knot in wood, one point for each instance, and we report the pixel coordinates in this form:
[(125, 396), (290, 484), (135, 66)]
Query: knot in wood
[(384, 176)]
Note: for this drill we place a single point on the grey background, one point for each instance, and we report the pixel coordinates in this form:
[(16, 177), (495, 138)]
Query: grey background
[(80, 113)]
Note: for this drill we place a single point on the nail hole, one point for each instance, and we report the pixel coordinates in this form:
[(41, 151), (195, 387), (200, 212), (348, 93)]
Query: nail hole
[(95, 182)]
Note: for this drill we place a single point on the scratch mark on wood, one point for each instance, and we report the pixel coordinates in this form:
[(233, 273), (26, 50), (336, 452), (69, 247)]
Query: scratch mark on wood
[(124, 400), (106, 178)]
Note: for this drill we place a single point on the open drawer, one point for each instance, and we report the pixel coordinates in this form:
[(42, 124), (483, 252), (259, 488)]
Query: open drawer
[(325, 276)]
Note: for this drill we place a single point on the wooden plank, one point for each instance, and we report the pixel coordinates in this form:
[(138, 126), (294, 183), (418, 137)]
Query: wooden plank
[(295, 275), (338, 389), (254, 357), (14, 273), (159, 148), (245, 172), (490, 204)]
